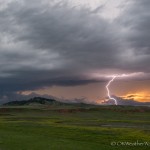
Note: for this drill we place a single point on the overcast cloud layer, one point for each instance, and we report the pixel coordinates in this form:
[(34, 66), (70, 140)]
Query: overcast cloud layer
[(54, 43)]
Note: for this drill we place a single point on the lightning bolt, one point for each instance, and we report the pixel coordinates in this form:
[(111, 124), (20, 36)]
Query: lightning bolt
[(108, 92), (108, 84)]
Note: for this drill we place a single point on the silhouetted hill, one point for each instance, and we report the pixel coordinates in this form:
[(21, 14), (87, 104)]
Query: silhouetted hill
[(35, 100)]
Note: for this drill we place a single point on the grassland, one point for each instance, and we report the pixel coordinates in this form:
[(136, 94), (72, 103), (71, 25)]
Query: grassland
[(74, 128)]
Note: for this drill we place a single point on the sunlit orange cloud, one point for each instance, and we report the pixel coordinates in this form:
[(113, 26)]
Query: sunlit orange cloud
[(139, 96)]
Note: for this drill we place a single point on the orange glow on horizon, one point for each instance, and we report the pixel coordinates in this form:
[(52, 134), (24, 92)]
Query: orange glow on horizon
[(139, 96)]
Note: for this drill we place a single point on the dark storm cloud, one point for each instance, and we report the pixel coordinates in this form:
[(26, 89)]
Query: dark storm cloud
[(136, 23), (44, 44), (56, 41)]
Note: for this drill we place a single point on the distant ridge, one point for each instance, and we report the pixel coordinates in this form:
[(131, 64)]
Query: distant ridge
[(37, 100)]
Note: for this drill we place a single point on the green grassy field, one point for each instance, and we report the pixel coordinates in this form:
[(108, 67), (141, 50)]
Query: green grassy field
[(73, 128)]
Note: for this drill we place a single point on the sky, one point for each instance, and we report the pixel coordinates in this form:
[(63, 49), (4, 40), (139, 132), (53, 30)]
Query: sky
[(70, 49)]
